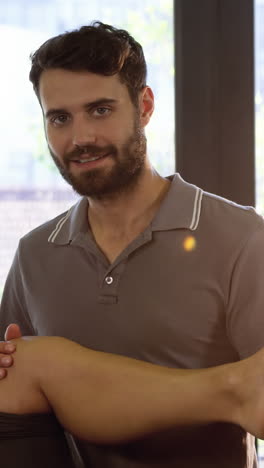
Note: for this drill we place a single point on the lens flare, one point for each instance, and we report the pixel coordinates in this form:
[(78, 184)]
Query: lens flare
[(189, 243)]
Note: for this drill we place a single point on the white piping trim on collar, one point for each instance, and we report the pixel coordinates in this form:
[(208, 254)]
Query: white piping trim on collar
[(196, 209), (58, 227)]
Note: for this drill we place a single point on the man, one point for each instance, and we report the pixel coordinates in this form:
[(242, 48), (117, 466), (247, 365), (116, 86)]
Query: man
[(142, 266)]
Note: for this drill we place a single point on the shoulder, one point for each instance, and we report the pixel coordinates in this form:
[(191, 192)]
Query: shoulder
[(36, 242), (44, 230), (220, 210), (62, 228), (226, 222)]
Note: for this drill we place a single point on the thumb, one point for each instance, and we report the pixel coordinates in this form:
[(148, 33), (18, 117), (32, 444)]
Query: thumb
[(12, 331)]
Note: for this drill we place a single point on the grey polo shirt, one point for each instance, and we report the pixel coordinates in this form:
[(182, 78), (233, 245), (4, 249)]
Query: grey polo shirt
[(187, 292)]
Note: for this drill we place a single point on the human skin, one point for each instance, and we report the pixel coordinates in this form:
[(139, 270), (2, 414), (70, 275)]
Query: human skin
[(88, 390)]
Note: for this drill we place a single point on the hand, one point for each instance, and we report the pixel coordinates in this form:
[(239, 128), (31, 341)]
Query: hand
[(7, 348)]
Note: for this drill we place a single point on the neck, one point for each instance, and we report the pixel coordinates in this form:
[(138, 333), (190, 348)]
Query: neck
[(132, 210)]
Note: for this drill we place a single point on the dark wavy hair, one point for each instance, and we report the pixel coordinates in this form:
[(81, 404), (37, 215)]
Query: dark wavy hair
[(98, 48)]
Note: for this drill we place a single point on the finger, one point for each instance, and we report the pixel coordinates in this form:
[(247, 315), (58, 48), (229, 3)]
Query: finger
[(13, 331), (3, 373), (7, 347), (6, 361)]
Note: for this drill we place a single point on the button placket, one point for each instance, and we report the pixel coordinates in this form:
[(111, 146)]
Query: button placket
[(110, 283)]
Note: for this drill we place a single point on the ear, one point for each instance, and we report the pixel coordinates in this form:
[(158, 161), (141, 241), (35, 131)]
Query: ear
[(146, 105)]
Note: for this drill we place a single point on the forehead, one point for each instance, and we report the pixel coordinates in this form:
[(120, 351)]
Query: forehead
[(64, 88)]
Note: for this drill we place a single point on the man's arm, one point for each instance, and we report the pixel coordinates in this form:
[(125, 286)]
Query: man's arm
[(106, 398)]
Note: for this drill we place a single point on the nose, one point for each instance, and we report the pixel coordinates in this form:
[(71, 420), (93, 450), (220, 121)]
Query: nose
[(83, 132)]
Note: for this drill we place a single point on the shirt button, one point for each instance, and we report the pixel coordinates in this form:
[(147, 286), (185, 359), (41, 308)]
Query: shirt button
[(109, 280)]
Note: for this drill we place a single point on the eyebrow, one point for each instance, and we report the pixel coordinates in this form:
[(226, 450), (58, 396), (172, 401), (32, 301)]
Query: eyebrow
[(89, 105)]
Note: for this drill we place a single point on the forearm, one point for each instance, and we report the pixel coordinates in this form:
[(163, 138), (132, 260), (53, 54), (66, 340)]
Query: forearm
[(107, 398)]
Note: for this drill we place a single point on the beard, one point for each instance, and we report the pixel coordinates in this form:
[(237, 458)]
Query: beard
[(103, 183)]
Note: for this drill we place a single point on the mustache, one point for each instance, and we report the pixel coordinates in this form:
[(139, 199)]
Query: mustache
[(91, 150)]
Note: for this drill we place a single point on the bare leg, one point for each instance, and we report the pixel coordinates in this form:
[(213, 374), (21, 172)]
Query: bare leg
[(89, 390)]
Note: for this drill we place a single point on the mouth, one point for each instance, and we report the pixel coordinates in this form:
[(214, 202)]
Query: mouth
[(88, 161)]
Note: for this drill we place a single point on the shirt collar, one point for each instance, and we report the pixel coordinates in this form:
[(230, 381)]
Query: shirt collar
[(71, 224), (180, 208)]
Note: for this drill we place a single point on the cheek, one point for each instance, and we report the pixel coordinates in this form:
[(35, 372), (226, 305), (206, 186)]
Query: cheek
[(48, 134), (55, 140), (130, 128), (119, 132)]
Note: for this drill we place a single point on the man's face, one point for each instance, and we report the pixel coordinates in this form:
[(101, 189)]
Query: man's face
[(94, 132)]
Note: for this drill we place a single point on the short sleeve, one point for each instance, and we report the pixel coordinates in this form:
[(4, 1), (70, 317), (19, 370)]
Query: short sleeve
[(13, 307), (245, 311)]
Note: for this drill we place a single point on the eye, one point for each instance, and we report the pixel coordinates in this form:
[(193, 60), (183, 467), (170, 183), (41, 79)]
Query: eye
[(59, 120), (101, 111)]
